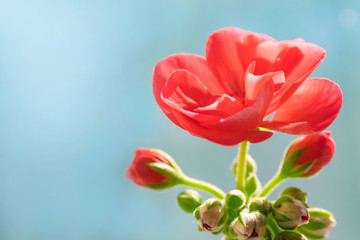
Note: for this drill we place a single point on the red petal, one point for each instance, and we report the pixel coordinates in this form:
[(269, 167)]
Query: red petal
[(226, 59), (185, 90), (297, 59), (249, 117), (194, 64), (254, 83), (133, 176), (227, 138), (311, 109)]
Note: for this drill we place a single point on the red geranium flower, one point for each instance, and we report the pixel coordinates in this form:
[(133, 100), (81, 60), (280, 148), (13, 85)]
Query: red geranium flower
[(226, 96)]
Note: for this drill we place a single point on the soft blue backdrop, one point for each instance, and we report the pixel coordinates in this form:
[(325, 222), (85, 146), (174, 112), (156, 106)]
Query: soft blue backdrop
[(76, 100)]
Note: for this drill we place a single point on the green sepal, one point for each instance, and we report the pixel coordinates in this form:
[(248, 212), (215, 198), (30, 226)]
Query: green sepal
[(267, 235), (289, 235), (252, 186), (290, 161), (289, 169), (213, 202), (309, 235), (167, 171), (303, 168), (222, 221), (316, 224), (283, 199), (189, 200), (295, 193), (261, 204), (169, 159), (261, 217), (197, 213)]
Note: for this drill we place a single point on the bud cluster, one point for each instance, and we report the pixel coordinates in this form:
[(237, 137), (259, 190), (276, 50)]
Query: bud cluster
[(247, 214), (233, 217), (238, 220)]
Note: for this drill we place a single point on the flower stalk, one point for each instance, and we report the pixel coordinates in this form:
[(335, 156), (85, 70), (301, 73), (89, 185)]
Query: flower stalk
[(202, 185), (271, 185), (241, 166)]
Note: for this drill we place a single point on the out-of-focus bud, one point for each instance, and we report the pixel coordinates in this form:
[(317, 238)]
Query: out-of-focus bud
[(252, 183), (307, 155), (260, 204), (211, 215), (249, 225), (189, 200), (153, 168), (290, 213), (251, 166), (289, 235), (319, 224), (295, 193), (235, 199)]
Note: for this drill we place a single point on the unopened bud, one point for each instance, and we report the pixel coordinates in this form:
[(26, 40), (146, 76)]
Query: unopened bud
[(153, 168), (295, 193), (308, 155), (289, 235), (260, 204), (189, 200), (319, 224), (290, 213), (249, 225), (235, 199), (211, 215)]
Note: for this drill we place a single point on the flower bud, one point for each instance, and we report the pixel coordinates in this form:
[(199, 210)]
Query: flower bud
[(289, 235), (249, 225), (154, 169), (235, 199), (319, 224), (260, 204), (211, 215), (295, 193), (307, 155), (189, 200), (290, 213)]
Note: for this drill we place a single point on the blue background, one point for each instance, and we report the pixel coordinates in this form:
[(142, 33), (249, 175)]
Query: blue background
[(76, 100)]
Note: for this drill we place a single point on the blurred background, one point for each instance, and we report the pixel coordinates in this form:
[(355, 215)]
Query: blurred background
[(76, 100)]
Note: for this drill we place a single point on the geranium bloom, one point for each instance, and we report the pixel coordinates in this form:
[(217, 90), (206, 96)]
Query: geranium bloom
[(226, 96)]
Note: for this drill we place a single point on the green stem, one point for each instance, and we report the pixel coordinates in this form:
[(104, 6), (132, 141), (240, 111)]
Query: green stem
[(278, 178), (273, 225), (241, 166), (191, 182)]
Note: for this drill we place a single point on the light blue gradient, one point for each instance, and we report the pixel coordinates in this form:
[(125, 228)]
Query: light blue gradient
[(76, 100)]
